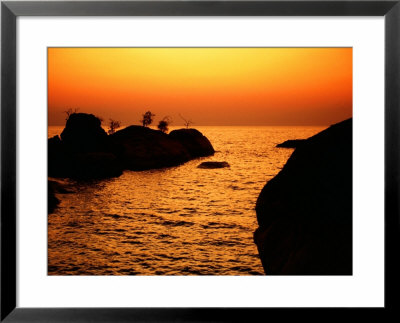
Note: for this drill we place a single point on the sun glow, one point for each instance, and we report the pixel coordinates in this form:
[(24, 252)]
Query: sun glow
[(212, 86)]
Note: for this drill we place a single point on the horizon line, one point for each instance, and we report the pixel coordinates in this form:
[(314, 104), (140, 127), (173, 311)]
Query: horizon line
[(226, 125)]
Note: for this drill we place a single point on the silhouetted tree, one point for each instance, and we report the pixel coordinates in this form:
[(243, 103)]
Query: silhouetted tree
[(147, 118), (163, 124), (70, 111), (187, 123), (113, 125)]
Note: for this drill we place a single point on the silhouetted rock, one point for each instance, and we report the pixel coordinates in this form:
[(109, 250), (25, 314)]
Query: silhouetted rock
[(83, 151), (291, 143), (83, 166), (95, 165), (54, 141), (194, 141), (86, 152), (213, 164), (83, 133), (140, 148), (305, 212)]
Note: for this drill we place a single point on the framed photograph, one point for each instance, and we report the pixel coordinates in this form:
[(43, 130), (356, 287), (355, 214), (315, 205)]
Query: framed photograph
[(198, 160)]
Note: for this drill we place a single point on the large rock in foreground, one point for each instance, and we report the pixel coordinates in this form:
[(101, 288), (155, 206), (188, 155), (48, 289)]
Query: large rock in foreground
[(305, 212), (86, 152)]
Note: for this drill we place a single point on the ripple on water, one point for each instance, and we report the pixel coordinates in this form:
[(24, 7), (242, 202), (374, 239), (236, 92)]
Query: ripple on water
[(177, 223)]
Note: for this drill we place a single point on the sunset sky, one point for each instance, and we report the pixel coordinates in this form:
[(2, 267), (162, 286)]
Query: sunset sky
[(210, 86)]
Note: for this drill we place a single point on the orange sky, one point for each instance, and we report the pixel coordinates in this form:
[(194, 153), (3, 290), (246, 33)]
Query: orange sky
[(211, 86)]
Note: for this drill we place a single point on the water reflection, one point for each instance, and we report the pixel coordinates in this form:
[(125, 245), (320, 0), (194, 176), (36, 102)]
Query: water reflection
[(178, 221)]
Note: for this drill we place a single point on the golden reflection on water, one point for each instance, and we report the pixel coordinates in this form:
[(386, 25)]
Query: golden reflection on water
[(177, 221)]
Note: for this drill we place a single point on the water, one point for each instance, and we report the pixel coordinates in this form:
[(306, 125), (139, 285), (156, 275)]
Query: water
[(176, 221)]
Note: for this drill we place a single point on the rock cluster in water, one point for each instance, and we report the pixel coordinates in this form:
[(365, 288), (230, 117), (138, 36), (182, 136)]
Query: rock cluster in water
[(86, 152), (305, 212)]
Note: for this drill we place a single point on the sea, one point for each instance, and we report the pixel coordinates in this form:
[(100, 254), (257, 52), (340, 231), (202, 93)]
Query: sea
[(181, 220)]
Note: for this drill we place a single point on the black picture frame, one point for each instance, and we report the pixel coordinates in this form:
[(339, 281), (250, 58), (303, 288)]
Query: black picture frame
[(10, 10)]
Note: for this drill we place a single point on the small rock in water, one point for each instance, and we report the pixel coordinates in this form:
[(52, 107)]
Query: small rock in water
[(212, 164)]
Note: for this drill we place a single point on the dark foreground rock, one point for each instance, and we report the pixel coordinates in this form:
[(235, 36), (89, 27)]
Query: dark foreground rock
[(86, 152), (294, 143), (211, 165), (305, 212)]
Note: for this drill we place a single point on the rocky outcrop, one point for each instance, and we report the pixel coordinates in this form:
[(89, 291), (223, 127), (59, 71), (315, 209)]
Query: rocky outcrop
[(213, 164), (140, 148), (294, 143), (83, 133), (305, 212), (65, 160), (86, 152), (194, 142)]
